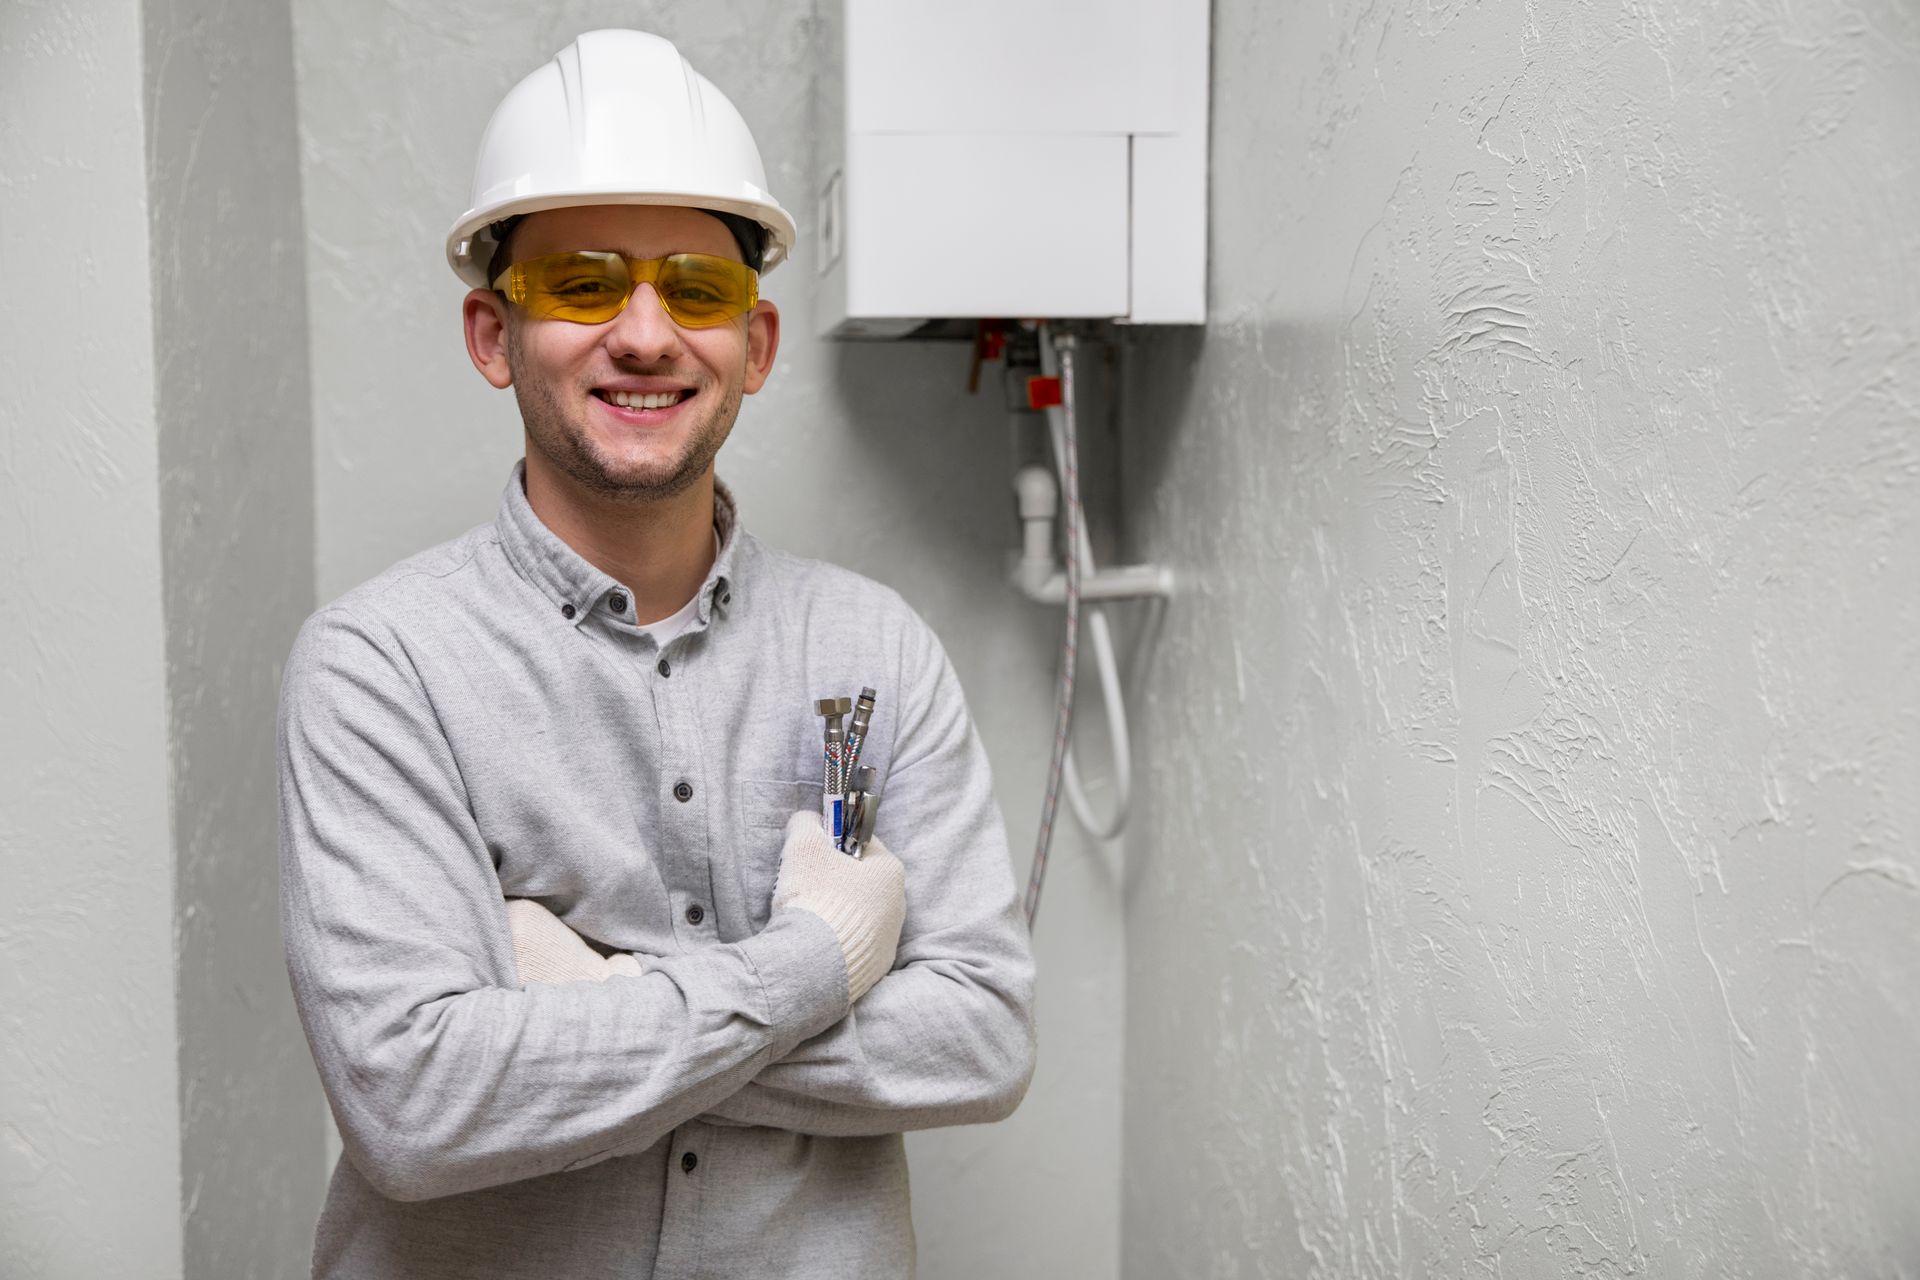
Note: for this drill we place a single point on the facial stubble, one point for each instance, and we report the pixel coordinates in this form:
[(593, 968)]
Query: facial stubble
[(554, 429)]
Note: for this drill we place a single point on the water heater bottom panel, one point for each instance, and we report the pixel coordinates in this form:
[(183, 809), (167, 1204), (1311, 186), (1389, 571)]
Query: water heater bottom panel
[(986, 225)]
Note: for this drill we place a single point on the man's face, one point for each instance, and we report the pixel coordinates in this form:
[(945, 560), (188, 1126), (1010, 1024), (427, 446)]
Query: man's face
[(568, 377)]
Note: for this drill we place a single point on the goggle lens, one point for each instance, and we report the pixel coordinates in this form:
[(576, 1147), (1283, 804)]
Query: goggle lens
[(698, 290)]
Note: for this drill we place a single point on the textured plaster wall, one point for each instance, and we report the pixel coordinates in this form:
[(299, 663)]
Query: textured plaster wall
[(89, 1122), (236, 537), (1532, 886), (412, 447)]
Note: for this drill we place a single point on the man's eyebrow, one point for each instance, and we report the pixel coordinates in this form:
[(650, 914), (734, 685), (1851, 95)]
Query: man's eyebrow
[(644, 258), (635, 257)]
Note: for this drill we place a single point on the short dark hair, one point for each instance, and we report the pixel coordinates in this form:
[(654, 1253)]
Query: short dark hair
[(501, 233), (749, 235)]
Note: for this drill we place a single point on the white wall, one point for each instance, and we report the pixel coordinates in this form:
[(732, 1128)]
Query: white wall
[(1533, 886), (236, 533), (88, 1111), (157, 497), (412, 448)]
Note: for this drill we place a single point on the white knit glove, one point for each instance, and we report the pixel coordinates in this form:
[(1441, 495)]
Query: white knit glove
[(863, 900), (547, 951)]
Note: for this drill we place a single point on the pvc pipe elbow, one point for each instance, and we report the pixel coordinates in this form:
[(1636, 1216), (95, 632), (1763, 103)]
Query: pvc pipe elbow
[(1036, 566)]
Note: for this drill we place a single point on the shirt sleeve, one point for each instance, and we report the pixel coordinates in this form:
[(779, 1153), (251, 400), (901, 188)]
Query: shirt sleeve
[(947, 1037), (443, 1074)]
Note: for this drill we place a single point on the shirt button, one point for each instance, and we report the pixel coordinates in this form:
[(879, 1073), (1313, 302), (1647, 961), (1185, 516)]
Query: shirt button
[(688, 1161), (617, 602), (696, 913), (683, 791), (665, 668), (566, 611)]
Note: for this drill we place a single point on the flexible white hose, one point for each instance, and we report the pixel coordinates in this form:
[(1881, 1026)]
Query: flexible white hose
[(1065, 453), (1110, 690)]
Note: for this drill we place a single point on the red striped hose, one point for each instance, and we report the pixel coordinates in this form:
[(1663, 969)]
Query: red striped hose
[(1063, 345)]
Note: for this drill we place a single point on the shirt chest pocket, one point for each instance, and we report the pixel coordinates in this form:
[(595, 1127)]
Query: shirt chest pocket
[(766, 806)]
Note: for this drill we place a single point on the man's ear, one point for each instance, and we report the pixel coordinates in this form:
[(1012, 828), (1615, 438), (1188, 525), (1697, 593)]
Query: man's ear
[(763, 340), (485, 315)]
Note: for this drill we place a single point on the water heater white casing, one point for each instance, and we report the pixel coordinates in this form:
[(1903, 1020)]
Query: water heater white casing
[(1010, 158)]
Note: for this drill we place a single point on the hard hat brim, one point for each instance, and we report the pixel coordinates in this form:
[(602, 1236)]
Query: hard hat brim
[(468, 233)]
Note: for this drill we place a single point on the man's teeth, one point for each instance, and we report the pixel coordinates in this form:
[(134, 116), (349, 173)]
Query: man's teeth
[(650, 400)]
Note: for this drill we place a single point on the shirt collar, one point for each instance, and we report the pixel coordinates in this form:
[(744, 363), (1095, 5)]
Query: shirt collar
[(573, 584), (721, 583)]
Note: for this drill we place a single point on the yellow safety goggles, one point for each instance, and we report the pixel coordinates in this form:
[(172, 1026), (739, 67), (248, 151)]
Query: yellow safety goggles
[(698, 290)]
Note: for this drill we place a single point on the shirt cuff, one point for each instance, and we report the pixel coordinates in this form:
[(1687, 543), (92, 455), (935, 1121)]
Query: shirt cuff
[(802, 974)]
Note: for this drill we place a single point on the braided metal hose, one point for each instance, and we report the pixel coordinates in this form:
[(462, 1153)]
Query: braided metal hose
[(1063, 345)]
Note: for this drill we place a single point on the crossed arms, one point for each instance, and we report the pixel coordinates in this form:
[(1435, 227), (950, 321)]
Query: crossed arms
[(445, 1075)]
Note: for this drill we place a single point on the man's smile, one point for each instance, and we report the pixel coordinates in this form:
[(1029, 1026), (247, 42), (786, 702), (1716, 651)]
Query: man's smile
[(642, 405)]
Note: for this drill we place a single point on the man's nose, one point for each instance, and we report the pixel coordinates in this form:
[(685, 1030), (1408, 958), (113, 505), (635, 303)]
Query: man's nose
[(643, 331)]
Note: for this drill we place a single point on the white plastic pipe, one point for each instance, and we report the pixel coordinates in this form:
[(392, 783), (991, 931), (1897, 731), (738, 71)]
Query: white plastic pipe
[(1128, 582)]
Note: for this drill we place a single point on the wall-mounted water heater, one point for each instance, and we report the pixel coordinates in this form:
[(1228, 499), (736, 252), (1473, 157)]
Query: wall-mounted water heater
[(1010, 158)]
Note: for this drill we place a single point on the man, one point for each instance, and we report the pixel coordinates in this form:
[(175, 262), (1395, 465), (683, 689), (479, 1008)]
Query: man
[(600, 706)]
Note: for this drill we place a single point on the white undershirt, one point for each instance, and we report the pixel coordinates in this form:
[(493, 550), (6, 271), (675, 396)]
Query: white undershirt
[(665, 631)]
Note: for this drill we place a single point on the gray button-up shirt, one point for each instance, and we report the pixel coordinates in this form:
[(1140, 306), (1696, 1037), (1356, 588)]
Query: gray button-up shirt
[(480, 722)]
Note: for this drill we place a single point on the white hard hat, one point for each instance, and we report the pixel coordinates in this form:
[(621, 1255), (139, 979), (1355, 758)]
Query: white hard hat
[(618, 117)]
